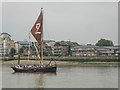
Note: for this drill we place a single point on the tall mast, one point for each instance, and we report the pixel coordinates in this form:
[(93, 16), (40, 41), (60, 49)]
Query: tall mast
[(42, 39), (37, 32), (29, 49)]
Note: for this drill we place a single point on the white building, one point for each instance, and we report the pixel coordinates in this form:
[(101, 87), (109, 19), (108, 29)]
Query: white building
[(5, 44)]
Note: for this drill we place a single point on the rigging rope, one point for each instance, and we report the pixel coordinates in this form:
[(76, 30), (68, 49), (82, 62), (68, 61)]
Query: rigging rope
[(35, 46)]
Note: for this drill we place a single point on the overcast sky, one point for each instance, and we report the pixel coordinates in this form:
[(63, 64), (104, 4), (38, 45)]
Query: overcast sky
[(83, 22)]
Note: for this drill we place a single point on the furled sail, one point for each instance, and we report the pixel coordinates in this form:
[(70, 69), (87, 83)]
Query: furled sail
[(37, 28)]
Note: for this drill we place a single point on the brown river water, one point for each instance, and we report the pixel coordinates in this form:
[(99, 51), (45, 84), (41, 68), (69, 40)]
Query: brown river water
[(69, 76)]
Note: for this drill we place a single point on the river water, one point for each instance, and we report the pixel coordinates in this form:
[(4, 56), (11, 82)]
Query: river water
[(73, 76)]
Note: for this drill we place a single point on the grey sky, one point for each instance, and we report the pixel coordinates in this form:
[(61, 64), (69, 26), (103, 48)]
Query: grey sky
[(82, 22)]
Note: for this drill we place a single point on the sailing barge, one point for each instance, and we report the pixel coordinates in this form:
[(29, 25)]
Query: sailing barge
[(32, 69), (37, 32)]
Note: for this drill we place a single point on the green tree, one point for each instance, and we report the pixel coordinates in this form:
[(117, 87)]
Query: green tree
[(75, 45), (21, 50), (104, 42), (12, 52)]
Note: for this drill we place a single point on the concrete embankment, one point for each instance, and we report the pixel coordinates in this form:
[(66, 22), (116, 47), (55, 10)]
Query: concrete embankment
[(66, 61), (60, 58), (63, 63)]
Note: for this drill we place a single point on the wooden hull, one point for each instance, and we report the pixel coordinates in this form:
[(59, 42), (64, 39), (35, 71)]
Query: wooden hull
[(38, 69)]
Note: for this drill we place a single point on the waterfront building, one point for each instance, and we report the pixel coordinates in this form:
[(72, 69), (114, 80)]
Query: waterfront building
[(6, 44), (103, 51), (114, 49), (48, 51), (1, 47), (50, 46), (20, 44), (84, 50), (91, 50), (26, 51), (50, 42), (60, 49), (108, 50)]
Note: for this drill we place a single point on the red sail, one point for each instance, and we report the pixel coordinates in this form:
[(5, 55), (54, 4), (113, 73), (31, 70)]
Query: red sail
[(37, 28)]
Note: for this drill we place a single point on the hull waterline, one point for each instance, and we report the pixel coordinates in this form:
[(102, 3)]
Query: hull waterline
[(51, 69)]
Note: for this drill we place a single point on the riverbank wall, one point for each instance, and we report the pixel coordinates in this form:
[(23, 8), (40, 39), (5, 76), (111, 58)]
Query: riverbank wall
[(68, 58), (64, 63)]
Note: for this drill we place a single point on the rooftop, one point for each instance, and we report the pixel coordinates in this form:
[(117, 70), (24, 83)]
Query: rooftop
[(61, 44), (85, 46), (4, 33), (23, 42), (113, 47)]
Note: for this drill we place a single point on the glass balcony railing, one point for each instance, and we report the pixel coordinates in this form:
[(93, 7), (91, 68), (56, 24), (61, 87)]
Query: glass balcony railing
[(57, 53), (57, 50)]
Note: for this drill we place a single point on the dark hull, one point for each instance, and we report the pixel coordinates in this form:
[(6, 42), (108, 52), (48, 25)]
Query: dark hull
[(38, 69)]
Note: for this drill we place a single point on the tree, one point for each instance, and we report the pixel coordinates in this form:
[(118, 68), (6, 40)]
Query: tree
[(104, 42), (12, 52), (21, 50)]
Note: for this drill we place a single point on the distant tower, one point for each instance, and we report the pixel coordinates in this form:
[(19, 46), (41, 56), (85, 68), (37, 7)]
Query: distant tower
[(5, 49)]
